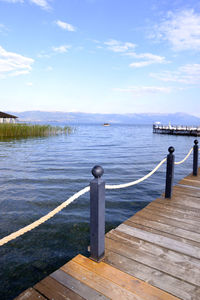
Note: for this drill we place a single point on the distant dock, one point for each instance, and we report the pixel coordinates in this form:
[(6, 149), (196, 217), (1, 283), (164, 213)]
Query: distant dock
[(176, 130)]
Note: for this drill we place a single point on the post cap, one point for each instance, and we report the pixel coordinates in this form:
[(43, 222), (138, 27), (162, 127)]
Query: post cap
[(196, 142), (97, 171), (171, 149)]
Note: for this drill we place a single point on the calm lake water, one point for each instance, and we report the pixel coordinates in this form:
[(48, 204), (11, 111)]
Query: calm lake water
[(39, 174)]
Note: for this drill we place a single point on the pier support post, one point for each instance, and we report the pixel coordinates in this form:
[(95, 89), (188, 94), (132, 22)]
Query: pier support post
[(97, 215), (169, 173), (195, 158)]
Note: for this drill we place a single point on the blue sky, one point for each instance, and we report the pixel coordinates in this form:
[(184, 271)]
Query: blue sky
[(106, 56)]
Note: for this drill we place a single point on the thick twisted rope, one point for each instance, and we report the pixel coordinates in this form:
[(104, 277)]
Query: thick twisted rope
[(35, 224), (51, 214), (182, 161), (120, 186)]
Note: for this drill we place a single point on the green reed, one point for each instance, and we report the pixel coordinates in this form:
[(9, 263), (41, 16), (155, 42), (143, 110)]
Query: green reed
[(30, 130)]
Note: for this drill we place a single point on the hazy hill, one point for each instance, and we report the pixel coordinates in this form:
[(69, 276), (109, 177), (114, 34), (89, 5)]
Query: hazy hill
[(83, 118)]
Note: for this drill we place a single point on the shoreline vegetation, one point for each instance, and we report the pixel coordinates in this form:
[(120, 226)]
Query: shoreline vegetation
[(31, 130)]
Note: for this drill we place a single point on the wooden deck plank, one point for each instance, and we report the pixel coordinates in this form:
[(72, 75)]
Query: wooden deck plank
[(190, 176), (190, 182), (168, 208), (173, 215), (179, 203), (161, 240), (194, 188), (163, 234), (30, 294), (182, 194), (182, 201), (170, 284), (183, 190), (160, 258), (99, 283), (77, 286), (166, 219), (136, 286), (51, 289), (193, 236)]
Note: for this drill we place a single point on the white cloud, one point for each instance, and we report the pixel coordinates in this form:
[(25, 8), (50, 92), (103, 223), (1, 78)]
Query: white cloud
[(149, 59), (17, 73), (96, 41), (49, 69), (42, 3), (65, 26), (149, 56), (61, 49), (54, 51), (3, 28), (29, 84), (141, 90), (140, 64), (127, 49), (13, 1), (181, 30), (191, 69), (187, 74), (44, 55), (117, 46), (13, 64)]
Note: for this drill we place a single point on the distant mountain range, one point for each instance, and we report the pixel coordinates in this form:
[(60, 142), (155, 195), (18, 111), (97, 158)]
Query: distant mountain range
[(90, 118)]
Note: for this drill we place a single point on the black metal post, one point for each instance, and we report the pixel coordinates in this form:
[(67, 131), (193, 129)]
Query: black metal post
[(169, 173), (97, 215), (195, 157)]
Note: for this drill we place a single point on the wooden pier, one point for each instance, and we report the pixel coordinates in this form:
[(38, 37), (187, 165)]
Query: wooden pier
[(153, 255), (177, 130)]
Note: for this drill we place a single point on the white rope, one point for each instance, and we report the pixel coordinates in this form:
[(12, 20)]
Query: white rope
[(120, 186), (35, 224), (180, 162)]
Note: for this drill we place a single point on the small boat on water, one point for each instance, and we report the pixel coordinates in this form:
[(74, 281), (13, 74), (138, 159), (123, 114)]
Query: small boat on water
[(106, 124)]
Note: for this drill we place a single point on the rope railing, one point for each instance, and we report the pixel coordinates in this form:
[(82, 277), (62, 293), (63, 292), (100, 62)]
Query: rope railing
[(97, 189), (51, 214), (125, 185), (186, 157)]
